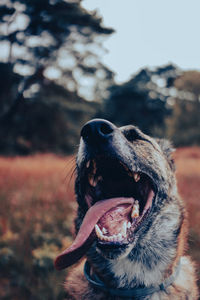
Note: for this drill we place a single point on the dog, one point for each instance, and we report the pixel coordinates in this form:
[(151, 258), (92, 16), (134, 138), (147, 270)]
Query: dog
[(131, 223)]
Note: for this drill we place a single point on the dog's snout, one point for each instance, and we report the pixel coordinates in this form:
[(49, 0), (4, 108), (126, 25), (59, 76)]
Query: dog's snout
[(97, 128)]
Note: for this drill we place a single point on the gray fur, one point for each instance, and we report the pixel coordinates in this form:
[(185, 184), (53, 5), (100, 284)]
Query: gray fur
[(153, 252)]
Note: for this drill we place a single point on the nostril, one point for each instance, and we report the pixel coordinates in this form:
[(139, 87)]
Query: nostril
[(97, 130), (85, 132), (106, 129)]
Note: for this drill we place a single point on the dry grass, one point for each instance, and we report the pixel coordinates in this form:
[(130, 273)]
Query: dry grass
[(188, 176), (37, 210)]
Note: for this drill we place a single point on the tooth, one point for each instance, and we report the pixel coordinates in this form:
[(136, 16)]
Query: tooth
[(98, 232), (104, 230), (111, 238), (136, 177), (119, 236), (106, 238), (124, 229), (129, 225), (88, 164), (92, 181), (114, 238), (135, 210)]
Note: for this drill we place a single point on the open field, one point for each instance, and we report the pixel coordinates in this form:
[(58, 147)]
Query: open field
[(188, 177), (36, 215)]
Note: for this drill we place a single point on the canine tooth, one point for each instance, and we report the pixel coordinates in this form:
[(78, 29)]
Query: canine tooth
[(136, 177), (135, 210), (129, 225), (98, 232), (123, 232), (88, 164)]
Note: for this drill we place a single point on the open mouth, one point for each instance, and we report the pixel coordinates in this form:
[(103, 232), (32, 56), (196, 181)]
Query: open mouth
[(110, 179), (118, 201)]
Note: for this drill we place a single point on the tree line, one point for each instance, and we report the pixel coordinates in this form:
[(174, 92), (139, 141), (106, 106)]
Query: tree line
[(52, 81)]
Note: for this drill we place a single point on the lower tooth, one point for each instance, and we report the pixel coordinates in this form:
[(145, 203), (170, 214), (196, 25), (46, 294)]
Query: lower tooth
[(110, 238), (129, 225), (113, 238), (98, 232), (124, 229), (104, 230), (119, 236)]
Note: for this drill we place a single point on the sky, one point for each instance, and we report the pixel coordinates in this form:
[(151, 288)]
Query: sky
[(149, 33)]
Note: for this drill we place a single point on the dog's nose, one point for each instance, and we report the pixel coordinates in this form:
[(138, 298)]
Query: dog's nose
[(97, 129)]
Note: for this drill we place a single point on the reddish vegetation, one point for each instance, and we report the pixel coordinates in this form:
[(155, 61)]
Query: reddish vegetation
[(37, 209), (188, 177), (37, 205)]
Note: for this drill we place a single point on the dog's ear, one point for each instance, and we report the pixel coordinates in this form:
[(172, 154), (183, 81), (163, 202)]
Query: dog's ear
[(167, 149)]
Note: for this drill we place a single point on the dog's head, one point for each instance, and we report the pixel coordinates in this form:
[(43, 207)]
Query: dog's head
[(124, 179)]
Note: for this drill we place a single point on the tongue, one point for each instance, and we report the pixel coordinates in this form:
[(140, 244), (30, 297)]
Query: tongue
[(86, 234)]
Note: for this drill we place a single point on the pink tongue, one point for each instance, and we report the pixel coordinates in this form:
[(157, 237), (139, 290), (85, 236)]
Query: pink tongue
[(86, 234)]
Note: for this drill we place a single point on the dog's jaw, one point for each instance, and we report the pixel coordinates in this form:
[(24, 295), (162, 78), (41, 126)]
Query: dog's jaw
[(147, 261)]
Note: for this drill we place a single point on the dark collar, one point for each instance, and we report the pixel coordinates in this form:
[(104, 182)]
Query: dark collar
[(137, 292)]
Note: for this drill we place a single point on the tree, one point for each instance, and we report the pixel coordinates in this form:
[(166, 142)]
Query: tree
[(59, 34), (42, 37), (184, 124), (143, 100)]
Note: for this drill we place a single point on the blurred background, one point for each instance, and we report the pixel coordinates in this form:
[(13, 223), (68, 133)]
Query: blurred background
[(63, 62)]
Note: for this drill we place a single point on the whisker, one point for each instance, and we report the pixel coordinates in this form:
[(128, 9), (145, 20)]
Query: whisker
[(71, 172)]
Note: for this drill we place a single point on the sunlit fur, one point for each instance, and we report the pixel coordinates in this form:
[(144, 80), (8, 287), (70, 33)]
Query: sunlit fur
[(160, 241)]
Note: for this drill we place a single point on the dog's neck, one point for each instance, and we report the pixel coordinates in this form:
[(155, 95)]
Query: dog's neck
[(124, 273), (133, 274), (136, 292)]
